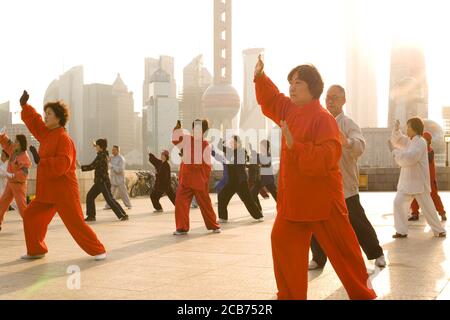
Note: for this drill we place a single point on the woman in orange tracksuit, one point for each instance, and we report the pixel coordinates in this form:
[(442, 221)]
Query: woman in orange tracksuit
[(311, 196), (195, 170), (17, 174), (56, 183)]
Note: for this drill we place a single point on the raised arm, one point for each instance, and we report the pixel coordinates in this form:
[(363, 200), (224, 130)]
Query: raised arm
[(273, 103), (153, 160), (32, 119), (398, 139), (6, 144), (62, 162)]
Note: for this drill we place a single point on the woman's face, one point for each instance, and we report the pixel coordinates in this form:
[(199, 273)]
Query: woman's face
[(98, 148), (51, 121)]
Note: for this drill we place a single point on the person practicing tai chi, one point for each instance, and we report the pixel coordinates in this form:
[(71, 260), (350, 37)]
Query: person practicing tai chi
[(16, 174), (56, 183), (163, 182), (117, 177), (237, 181), (434, 186), (353, 145), (102, 184), (195, 170), (411, 154), (310, 191), (265, 177)]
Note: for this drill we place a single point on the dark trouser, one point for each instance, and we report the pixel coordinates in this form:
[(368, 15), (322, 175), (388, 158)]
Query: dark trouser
[(243, 192), (156, 195), (105, 190), (257, 187), (364, 231)]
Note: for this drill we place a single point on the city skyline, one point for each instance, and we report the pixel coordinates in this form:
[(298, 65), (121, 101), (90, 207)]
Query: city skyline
[(188, 26)]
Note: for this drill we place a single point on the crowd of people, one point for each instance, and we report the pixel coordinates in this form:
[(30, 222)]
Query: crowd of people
[(317, 194)]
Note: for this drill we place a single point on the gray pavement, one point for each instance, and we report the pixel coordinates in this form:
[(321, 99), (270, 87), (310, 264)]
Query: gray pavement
[(145, 261)]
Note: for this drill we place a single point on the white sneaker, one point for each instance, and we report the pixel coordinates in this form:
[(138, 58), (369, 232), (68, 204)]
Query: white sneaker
[(28, 257), (260, 219), (179, 233), (223, 221), (100, 257), (158, 211), (217, 230), (313, 265), (380, 262)]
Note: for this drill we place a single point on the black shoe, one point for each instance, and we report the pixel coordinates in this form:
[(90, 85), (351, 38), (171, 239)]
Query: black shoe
[(10, 208), (125, 218), (90, 219), (399, 236), (414, 217)]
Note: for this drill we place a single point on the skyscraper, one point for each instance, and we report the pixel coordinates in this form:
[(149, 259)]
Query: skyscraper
[(196, 79), (361, 87), (221, 101), (251, 114), (155, 70), (408, 92), (160, 114), (5, 115), (69, 88)]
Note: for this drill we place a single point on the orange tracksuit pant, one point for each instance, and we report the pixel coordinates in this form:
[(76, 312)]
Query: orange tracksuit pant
[(290, 250), (13, 191), (38, 215), (182, 205)]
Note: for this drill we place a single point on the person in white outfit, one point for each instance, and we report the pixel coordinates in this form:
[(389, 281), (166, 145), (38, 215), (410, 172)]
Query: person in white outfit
[(411, 154), (117, 177), (3, 171)]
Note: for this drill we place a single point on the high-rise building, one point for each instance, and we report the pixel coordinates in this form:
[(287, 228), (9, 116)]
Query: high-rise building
[(251, 116), (5, 115), (166, 65), (196, 79), (408, 93), (221, 101), (361, 87), (159, 115), (69, 88), (109, 113), (446, 119)]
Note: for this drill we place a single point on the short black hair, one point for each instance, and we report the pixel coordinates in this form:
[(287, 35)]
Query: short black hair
[(22, 141), (117, 147), (205, 125), (309, 74), (102, 143), (417, 125), (61, 111)]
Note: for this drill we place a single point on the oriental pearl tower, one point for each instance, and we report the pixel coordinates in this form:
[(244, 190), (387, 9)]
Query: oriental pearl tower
[(221, 101)]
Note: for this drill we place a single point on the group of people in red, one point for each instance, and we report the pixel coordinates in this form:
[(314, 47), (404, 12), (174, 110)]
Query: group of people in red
[(317, 199)]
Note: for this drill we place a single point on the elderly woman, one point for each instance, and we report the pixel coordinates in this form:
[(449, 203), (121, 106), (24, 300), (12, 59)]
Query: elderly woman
[(56, 183), (16, 174)]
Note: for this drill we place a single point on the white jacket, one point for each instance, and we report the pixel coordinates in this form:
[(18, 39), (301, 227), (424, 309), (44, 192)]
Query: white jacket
[(117, 172), (3, 178), (412, 156)]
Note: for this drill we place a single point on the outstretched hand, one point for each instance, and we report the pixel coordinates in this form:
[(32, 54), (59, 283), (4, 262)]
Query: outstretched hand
[(259, 68), (24, 98), (287, 134)]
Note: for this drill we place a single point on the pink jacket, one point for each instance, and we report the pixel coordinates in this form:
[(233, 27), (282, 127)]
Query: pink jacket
[(19, 163)]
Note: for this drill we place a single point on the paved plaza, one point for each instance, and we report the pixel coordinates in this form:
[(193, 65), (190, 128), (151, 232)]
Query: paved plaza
[(145, 261)]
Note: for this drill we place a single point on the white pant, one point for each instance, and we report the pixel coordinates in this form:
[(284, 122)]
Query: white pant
[(402, 204), (123, 194)]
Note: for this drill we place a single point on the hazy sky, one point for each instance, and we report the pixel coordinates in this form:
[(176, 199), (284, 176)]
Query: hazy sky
[(41, 39)]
